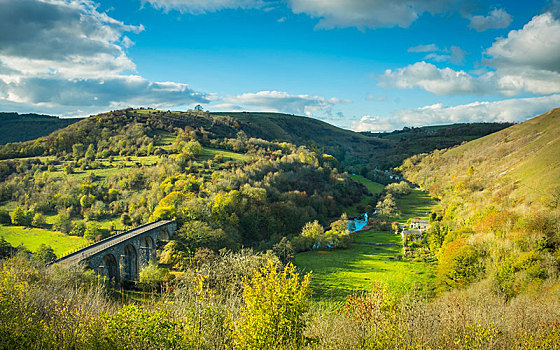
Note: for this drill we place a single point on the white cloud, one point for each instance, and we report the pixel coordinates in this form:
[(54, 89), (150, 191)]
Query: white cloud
[(535, 46), (369, 13), (457, 55), (278, 101), (424, 48), (65, 56), (496, 19), (512, 110), (527, 60), (427, 76), (196, 7)]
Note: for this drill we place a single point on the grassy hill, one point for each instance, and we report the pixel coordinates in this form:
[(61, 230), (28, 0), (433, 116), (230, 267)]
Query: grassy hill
[(16, 127), (500, 207), (520, 163)]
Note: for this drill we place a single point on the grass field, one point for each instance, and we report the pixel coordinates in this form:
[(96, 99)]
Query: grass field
[(209, 153), (372, 187), (417, 203), (338, 273), (32, 238)]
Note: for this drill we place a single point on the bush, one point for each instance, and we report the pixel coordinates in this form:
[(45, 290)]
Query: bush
[(44, 254), (275, 302), (151, 277), (5, 218)]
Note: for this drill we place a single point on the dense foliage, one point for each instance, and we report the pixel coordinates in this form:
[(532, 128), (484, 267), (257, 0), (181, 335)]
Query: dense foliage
[(267, 192)]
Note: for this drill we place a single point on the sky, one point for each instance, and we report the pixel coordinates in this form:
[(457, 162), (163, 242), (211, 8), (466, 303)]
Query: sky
[(359, 64)]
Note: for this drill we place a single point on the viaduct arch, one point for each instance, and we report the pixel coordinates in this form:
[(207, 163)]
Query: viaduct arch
[(121, 256)]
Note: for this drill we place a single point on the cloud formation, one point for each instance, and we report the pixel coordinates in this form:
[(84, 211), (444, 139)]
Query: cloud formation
[(197, 7), (427, 76), (64, 56), (368, 13), (511, 110), (527, 60), (278, 101), (496, 19), (424, 48), (331, 13)]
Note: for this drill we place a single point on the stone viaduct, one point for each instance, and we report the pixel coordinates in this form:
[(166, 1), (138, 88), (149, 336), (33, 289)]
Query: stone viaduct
[(121, 256)]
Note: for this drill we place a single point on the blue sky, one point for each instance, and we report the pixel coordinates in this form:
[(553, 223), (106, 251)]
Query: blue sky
[(359, 64)]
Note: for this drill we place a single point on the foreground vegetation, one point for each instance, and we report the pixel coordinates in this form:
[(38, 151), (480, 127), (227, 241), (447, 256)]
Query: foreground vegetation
[(248, 301)]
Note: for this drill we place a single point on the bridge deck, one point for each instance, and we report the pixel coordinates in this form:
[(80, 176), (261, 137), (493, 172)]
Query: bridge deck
[(100, 246)]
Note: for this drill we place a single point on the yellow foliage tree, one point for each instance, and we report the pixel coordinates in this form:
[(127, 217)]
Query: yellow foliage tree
[(275, 301)]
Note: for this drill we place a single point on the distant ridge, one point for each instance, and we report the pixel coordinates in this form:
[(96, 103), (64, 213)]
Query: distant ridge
[(15, 127), (363, 153)]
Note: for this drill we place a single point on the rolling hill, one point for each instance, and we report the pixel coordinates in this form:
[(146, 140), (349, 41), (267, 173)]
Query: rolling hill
[(364, 153), (16, 127)]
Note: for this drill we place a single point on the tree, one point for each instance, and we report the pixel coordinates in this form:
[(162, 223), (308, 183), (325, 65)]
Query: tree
[(284, 250), (90, 153), (5, 218), (20, 217), (94, 232), (6, 249), (44, 254), (126, 220), (78, 229), (387, 207), (38, 220), (151, 277), (312, 230), (275, 301), (77, 150), (62, 222)]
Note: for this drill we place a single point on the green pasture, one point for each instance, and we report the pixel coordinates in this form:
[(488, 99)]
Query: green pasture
[(373, 188), (417, 203), (340, 272), (32, 238)]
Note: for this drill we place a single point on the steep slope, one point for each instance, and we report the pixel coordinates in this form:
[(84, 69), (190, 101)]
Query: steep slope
[(521, 162), (499, 215)]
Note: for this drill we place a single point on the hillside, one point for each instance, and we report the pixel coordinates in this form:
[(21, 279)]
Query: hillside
[(16, 127), (363, 153), (499, 214), (520, 163)]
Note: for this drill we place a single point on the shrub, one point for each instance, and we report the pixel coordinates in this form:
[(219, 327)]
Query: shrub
[(151, 277), (5, 218), (275, 302), (44, 254)]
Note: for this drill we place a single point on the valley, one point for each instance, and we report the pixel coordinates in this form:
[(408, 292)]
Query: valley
[(262, 202)]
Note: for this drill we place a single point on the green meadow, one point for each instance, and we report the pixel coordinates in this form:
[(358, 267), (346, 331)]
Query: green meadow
[(340, 272), (32, 238)]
